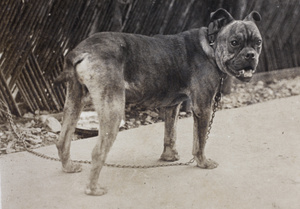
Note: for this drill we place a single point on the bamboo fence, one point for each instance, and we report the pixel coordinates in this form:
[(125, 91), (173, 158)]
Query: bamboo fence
[(35, 36)]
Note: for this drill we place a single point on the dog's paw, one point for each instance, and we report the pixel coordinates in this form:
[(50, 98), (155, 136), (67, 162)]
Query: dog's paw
[(95, 191), (71, 167), (206, 163), (169, 155)]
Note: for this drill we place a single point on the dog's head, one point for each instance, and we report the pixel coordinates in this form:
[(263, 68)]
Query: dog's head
[(237, 43)]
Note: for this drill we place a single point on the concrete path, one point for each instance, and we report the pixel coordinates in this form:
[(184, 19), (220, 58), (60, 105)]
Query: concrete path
[(257, 147)]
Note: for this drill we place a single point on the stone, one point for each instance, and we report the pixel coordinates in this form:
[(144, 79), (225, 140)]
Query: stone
[(122, 123), (295, 91), (182, 114), (153, 114), (34, 141), (148, 120), (28, 115), (51, 123), (52, 135)]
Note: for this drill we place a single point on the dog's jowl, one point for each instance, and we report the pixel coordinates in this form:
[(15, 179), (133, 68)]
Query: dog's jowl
[(159, 71)]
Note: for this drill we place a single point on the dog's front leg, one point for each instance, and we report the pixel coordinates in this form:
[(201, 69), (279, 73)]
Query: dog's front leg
[(202, 117), (171, 117)]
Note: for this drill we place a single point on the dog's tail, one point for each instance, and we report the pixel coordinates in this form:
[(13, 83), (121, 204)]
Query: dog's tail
[(67, 73)]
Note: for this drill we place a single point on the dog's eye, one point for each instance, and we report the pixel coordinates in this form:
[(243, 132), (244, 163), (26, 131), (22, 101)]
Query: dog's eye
[(258, 42), (234, 43)]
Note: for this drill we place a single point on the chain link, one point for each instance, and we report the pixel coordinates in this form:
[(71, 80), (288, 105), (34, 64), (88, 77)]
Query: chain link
[(21, 138), (217, 100)]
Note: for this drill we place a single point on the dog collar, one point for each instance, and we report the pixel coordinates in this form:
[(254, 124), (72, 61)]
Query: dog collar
[(213, 30)]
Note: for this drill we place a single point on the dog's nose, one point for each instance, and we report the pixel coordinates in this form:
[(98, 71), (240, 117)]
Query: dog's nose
[(250, 55)]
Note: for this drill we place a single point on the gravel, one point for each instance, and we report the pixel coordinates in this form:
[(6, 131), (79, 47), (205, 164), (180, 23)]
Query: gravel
[(249, 93)]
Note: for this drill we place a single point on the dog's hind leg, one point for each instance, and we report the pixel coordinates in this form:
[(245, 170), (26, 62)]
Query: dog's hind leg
[(171, 117), (72, 110), (109, 101)]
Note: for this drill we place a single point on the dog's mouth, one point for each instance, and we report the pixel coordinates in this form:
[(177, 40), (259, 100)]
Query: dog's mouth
[(244, 74)]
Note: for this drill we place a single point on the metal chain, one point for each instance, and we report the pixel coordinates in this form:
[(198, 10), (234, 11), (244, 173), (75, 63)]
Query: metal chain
[(21, 138), (217, 100)]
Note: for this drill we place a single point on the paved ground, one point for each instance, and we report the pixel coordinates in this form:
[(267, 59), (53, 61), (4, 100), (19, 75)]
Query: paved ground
[(257, 148)]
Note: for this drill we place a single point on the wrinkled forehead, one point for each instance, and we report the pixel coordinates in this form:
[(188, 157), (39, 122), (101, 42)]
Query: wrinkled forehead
[(247, 29)]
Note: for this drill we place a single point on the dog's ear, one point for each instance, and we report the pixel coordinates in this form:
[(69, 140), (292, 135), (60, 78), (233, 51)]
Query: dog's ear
[(253, 16), (221, 17), (218, 19)]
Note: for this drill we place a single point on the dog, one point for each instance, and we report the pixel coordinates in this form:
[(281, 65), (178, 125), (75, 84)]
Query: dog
[(160, 71)]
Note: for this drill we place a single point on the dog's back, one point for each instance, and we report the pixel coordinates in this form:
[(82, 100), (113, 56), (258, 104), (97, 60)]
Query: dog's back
[(134, 60)]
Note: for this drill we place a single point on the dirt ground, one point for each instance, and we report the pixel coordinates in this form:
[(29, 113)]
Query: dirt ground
[(257, 148)]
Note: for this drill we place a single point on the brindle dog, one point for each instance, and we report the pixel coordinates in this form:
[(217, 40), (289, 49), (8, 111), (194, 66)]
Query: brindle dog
[(160, 71)]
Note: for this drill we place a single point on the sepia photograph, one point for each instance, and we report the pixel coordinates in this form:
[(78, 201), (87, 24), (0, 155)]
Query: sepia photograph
[(150, 104)]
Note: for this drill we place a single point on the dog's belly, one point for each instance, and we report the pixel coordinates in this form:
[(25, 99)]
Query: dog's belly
[(157, 98)]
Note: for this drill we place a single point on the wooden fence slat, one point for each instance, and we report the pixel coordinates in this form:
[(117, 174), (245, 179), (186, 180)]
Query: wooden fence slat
[(45, 84), (8, 96), (38, 86), (31, 89), (25, 95)]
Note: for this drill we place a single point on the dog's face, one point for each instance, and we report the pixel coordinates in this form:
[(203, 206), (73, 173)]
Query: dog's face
[(238, 45)]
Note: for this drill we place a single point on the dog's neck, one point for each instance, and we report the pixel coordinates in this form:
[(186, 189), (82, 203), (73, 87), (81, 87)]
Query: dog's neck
[(208, 49)]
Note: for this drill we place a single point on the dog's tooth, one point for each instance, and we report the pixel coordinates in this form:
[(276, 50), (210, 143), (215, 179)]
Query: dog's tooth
[(240, 73), (248, 73)]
